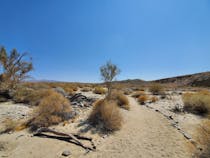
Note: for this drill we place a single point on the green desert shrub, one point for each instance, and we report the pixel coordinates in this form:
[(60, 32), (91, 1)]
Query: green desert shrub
[(197, 103), (107, 114)]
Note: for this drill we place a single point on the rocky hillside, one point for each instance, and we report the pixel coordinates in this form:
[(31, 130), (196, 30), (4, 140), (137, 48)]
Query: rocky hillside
[(198, 79)]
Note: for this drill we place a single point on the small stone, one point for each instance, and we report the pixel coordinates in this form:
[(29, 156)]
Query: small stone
[(170, 117), (187, 136), (66, 153)]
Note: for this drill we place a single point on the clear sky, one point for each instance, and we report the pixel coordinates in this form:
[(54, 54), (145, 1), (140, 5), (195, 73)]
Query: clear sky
[(70, 39)]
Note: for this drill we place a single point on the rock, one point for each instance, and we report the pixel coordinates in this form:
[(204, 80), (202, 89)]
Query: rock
[(170, 117), (187, 136), (66, 153)]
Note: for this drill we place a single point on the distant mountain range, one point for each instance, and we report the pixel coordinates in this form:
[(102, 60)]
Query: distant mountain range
[(197, 79)]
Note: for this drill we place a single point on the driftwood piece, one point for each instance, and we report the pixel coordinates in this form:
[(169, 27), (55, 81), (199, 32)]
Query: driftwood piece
[(66, 137)]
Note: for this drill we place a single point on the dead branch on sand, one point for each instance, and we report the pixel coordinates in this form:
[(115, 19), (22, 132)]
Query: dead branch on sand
[(72, 138)]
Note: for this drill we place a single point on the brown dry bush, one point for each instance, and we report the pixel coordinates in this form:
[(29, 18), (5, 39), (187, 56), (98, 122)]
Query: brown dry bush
[(120, 99), (8, 125), (53, 109), (138, 94), (142, 99), (86, 89), (29, 96), (127, 91), (156, 89), (100, 90), (197, 103), (154, 99), (107, 114), (69, 90)]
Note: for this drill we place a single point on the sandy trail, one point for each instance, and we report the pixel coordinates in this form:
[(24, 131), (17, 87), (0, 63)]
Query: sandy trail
[(145, 134)]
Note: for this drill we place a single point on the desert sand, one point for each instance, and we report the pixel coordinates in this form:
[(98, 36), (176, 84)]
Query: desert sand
[(145, 133)]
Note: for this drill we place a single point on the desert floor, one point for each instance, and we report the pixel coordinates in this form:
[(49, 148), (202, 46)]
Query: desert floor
[(146, 132)]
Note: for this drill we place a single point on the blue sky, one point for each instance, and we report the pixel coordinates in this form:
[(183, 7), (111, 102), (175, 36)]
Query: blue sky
[(70, 39)]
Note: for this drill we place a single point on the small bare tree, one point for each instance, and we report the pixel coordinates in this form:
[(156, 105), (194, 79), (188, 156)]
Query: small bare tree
[(14, 68), (108, 73)]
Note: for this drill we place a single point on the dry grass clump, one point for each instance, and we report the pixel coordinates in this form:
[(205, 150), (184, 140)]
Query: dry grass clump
[(138, 94), (100, 90), (69, 90), (8, 125), (156, 89), (35, 85), (197, 103), (29, 96), (53, 109), (86, 89), (143, 99), (154, 99), (120, 99), (106, 114), (127, 91)]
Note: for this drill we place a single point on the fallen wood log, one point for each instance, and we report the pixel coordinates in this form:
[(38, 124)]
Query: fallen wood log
[(66, 137)]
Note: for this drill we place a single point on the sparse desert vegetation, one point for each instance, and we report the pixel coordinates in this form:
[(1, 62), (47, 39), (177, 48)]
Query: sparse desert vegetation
[(197, 103), (156, 89)]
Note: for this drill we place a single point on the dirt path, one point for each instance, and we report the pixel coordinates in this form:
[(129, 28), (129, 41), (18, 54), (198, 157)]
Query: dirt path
[(145, 134)]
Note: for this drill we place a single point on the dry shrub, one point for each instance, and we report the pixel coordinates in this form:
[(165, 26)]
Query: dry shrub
[(156, 89), (138, 94), (36, 85), (107, 114), (154, 99), (8, 125), (127, 91), (53, 109), (69, 90), (197, 103), (142, 99), (120, 99), (99, 90), (86, 89), (29, 96), (20, 127)]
